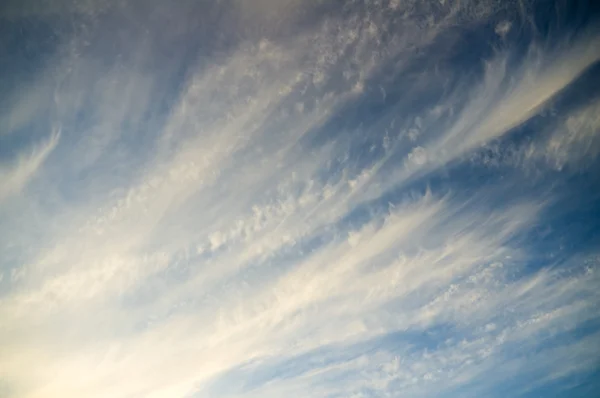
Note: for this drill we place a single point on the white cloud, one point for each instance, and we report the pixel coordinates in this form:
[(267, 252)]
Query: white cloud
[(576, 141), (502, 101), (15, 176), (236, 243)]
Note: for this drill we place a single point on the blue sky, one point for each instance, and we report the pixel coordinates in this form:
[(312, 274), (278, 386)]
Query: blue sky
[(299, 198)]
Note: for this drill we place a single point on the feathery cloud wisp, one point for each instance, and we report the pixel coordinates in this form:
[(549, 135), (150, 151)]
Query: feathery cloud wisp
[(303, 211)]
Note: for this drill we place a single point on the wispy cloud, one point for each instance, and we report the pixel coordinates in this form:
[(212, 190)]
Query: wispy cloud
[(16, 174), (225, 229)]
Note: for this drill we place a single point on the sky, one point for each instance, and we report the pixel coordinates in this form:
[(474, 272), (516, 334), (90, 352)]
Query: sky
[(287, 198)]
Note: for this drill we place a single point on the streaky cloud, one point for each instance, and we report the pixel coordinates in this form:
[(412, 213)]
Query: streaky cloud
[(15, 176), (284, 198)]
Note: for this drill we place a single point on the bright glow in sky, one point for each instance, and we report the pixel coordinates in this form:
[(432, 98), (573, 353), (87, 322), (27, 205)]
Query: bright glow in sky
[(286, 198)]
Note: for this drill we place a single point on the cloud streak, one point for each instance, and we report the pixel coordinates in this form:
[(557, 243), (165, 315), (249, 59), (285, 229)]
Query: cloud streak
[(224, 227), (15, 176)]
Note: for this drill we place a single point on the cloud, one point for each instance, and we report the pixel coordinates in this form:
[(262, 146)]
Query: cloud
[(575, 141), (500, 102), (224, 228), (15, 176), (285, 313)]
